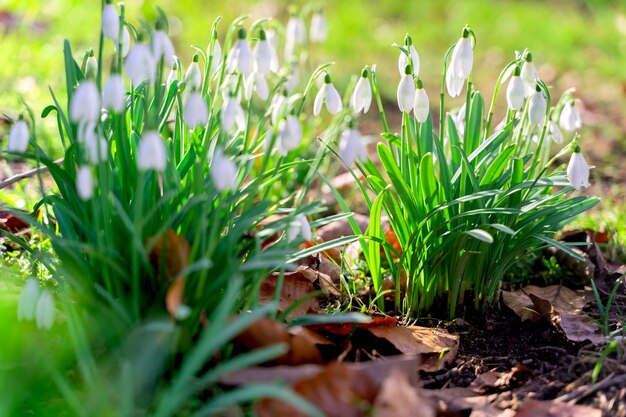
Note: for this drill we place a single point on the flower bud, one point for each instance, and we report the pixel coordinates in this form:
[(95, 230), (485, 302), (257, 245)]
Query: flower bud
[(110, 22), (537, 107), (27, 304), (162, 47), (19, 137), (265, 58), (196, 110), (403, 59), (319, 29), (529, 74), (406, 91), (289, 134), (462, 57), (114, 94), (193, 76), (91, 66), (240, 56), (516, 91), (578, 170), (125, 41), (570, 118), (85, 103), (46, 310), (151, 153), (421, 106), (223, 171), (140, 64), (232, 114), (256, 82), (555, 132)]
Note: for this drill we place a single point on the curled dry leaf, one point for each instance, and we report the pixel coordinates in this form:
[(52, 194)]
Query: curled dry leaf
[(295, 287), (175, 250), (399, 398), (300, 341), (535, 408), (491, 380), (174, 298), (345, 329), (558, 305)]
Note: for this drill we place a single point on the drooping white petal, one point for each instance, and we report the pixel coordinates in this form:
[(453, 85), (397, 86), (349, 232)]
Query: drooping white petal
[(459, 119), (421, 106), (578, 171), (406, 93), (352, 147), (537, 108), (333, 99), (462, 58), (570, 118), (232, 114), (27, 304), (193, 76), (217, 54), (19, 137), (140, 64), (240, 58), (171, 77), (84, 183), (299, 228), (162, 47), (530, 76), (296, 30), (46, 310), (196, 110), (114, 94), (96, 146), (319, 29), (515, 93), (110, 22), (555, 132), (85, 103), (223, 171), (265, 57), (151, 153), (125, 41), (362, 96), (319, 99), (454, 84), (403, 61), (289, 134)]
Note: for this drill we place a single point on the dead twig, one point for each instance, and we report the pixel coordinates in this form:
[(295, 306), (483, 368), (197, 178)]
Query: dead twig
[(27, 174), (587, 390)]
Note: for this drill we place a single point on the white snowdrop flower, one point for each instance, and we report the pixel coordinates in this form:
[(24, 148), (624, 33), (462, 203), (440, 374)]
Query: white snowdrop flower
[(125, 41), (421, 106), (196, 110), (110, 22), (289, 134), (84, 183), (570, 118), (516, 91), (172, 76), (256, 83), (27, 304), (295, 35), (319, 29), (403, 59), (555, 132), (216, 52), (406, 91), (294, 78), (362, 96), (299, 227), (151, 153), (19, 137), (459, 119), (91, 66), (230, 86), (240, 56), (529, 74), (223, 171), (329, 96), (162, 47), (46, 310), (114, 94), (140, 64), (454, 84), (193, 76), (96, 146), (578, 170), (352, 147), (265, 58), (537, 107), (279, 106), (85, 103), (462, 56), (232, 114)]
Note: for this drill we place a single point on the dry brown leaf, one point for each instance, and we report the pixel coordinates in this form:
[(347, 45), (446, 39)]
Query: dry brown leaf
[(456, 401), (535, 408), (176, 251), (174, 298), (497, 380), (399, 398), (521, 304), (295, 287), (342, 227), (437, 346), (332, 254), (300, 341)]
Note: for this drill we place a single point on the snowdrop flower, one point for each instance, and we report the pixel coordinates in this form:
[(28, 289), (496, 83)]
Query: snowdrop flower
[(114, 94), (151, 153), (362, 96), (232, 114), (279, 105), (85, 103), (196, 110), (215, 51), (125, 41), (193, 76), (578, 170), (256, 82), (27, 304), (223, 171), (84, 183), (537, 107), (454, 84), (403, 59), (110, 22), (329, 96), (265, 58), (19, 137), (91, 66), (529, 74), (289, 134), (46, 310), (406, 91), (294, 78), (555, 132), (516, 91), (96, 146), (459, 119), (162, 47), (296, 35), (240, 56), (319, 29), (462, 56), (140, 64), (352, 147), (421, 106), (570, 118), (299, 227), (173, 75)]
